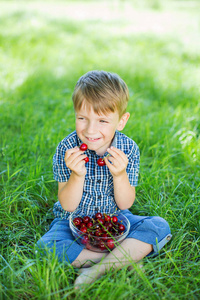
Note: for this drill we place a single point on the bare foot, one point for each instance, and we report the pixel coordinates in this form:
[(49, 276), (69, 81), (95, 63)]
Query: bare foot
[(87, 276)]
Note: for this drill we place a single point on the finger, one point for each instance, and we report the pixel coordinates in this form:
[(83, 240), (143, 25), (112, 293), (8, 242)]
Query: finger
[(115, 152), (110, 159), (117, 164), (77, 166), (74, 158), (115, 169), (116, 156), (79, 159), (71, 151), (109, 164)]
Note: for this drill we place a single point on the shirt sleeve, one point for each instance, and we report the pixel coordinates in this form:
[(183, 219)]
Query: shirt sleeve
[(133, 165), (60, 170)]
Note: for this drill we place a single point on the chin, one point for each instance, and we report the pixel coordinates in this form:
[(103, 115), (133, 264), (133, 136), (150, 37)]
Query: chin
[(93, 148)]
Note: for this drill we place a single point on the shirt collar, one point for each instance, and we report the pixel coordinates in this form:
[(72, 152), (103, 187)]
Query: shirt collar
[(114, 142), (79, 142)]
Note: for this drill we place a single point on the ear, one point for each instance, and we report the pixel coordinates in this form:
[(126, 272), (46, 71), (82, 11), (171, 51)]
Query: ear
[(123, 121)]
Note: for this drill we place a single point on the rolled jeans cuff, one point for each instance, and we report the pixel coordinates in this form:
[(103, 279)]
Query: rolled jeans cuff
[(161, 244)]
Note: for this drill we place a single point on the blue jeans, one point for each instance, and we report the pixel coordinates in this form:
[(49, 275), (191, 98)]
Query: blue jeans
[(151, 230)]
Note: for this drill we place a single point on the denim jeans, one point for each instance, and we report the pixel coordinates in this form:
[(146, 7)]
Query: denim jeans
[(151, 230)]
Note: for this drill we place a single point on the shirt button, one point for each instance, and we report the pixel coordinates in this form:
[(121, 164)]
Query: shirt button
[(99, 181)]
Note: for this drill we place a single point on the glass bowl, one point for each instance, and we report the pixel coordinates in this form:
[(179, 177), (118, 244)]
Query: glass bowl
[(99, 235)]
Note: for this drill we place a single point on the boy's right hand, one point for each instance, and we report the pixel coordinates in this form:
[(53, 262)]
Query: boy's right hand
[(74, 160)]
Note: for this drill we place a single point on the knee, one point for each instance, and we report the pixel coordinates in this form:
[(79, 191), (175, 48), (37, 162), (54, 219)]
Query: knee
[(43, 246), (161, 226), (51, 248), (40, 244)]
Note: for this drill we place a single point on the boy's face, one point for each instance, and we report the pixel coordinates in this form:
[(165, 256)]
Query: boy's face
[(97, 131)]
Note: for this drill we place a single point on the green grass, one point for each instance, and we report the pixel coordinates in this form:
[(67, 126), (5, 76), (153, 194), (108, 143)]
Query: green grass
[(42, 55)]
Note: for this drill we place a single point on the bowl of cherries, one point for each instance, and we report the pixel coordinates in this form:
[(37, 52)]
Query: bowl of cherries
[(101, 232)]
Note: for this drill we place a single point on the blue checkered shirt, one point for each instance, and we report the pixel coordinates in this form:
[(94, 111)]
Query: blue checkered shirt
[(98, 190)]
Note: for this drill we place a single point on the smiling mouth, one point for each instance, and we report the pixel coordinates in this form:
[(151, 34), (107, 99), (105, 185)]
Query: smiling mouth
[(92, 139)]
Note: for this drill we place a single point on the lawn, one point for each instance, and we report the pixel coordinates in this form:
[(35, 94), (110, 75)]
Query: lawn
[(45, 46)]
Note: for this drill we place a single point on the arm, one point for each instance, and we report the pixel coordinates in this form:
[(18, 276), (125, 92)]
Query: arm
[(70, 192), (124, 193)]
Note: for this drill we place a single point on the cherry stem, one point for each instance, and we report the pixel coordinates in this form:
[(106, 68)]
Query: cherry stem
[(106, 156)]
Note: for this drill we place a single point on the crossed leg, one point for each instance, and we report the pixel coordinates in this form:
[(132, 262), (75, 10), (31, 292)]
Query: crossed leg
[(130, 250)]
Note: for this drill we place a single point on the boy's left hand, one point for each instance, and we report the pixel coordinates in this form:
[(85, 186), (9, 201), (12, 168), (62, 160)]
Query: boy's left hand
[(117, 162)]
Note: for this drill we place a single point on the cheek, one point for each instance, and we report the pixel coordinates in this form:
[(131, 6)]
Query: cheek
[(108, 131), (79, 126)]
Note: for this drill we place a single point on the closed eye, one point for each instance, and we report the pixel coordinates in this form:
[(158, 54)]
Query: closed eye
[(103, 121)]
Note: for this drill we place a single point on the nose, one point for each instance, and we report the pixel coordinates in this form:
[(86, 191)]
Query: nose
[(90, 129)]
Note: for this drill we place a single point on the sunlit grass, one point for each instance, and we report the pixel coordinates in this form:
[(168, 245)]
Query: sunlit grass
[(41, 58)]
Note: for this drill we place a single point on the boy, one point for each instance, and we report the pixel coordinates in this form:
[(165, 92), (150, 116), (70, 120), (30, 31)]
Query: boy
[(100, 100)]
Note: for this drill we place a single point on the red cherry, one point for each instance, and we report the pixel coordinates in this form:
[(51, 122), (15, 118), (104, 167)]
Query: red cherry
[(86, 219), (98, 232), (107, 218), (101, 162), (97, 226), (110, 244), (92, 233), (98, 215), (101, 221), (102, 246), (89, 224), (114, 219), (77, 221), (86, 159), (105, 236), (109, 225), (121, 227), (97, 239), (83, 225), (83, 147), (83, 229), (85, 239), (105, 228)]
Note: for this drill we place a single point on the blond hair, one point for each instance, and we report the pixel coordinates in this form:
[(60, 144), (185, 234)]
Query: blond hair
[(105, 92)]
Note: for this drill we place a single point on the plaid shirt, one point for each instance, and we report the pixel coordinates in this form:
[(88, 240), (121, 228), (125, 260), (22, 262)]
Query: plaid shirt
[(98, 190)]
